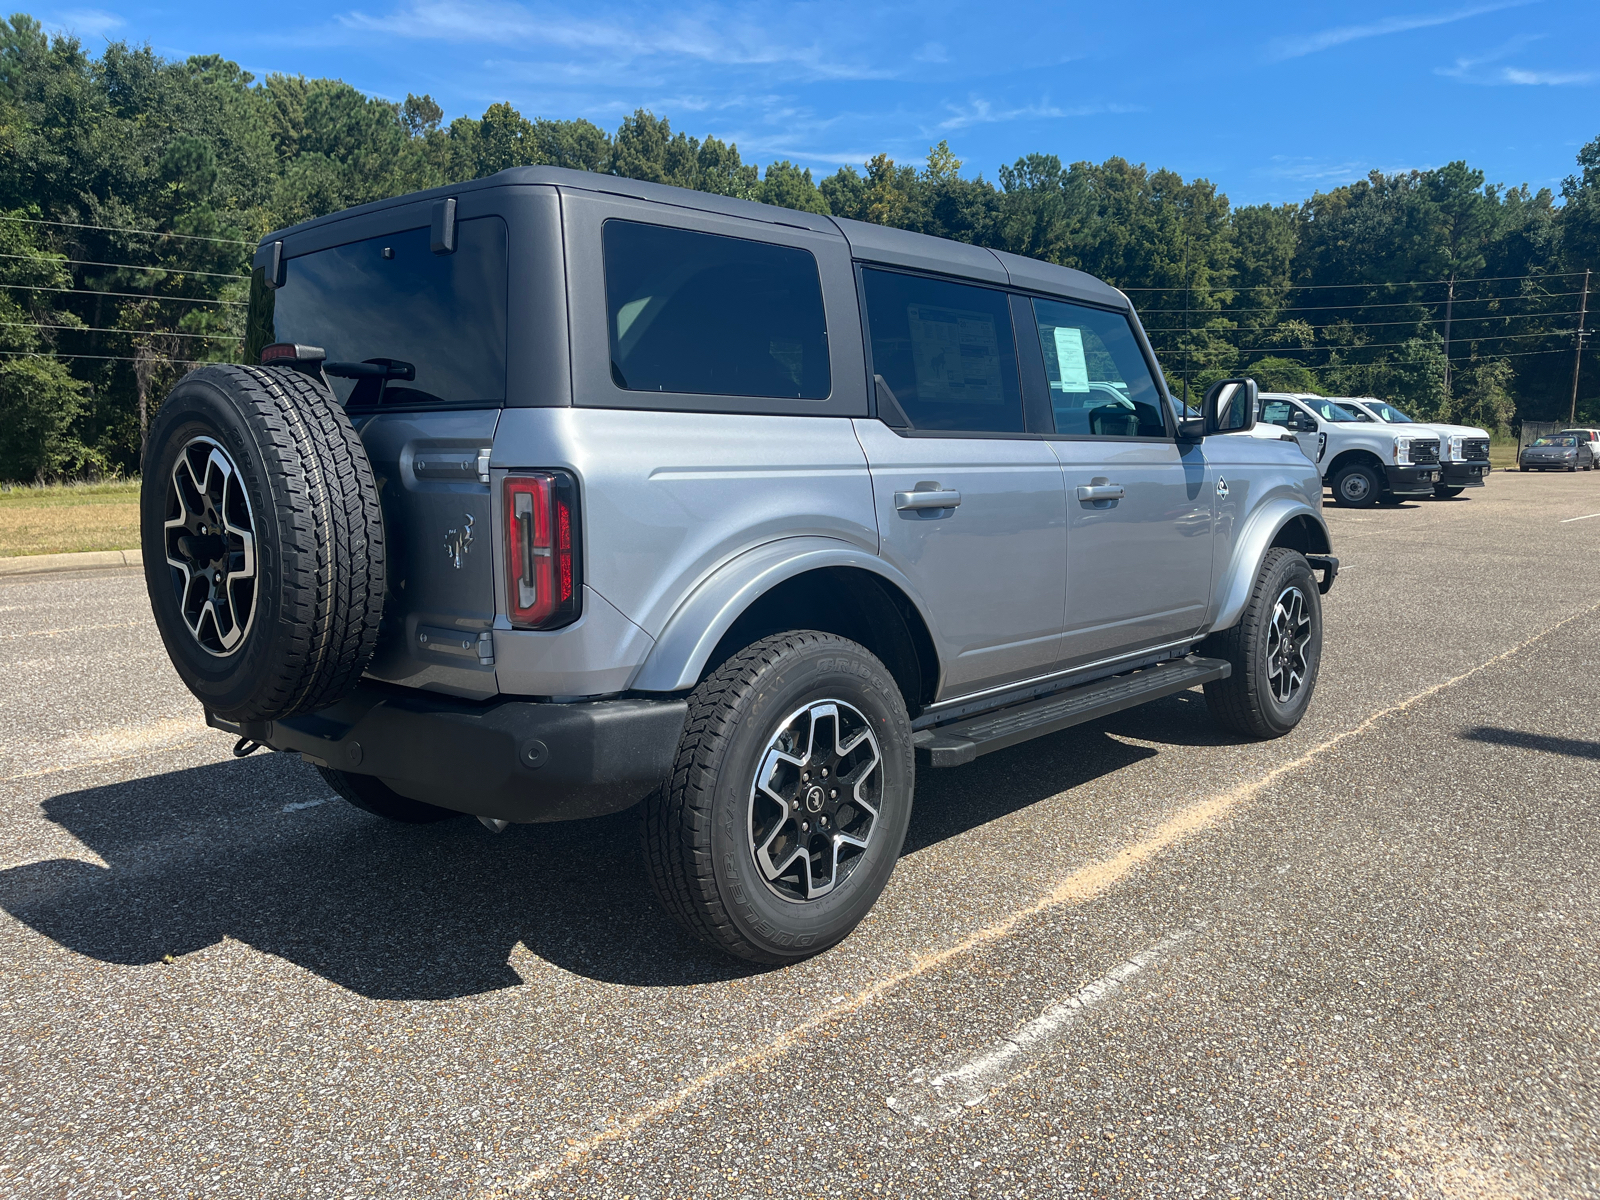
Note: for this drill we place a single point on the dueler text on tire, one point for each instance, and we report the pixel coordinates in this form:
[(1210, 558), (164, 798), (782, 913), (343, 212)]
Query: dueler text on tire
[(788, 804), (263, 541), (1275, 648)]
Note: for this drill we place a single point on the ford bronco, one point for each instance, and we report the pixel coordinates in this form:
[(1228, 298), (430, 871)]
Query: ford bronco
[(553, 494)]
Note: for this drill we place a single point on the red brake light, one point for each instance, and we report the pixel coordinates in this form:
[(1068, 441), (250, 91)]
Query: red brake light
[(544, 587)]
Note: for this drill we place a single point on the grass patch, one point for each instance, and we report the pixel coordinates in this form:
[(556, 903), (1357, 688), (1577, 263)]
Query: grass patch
[(67, 517)]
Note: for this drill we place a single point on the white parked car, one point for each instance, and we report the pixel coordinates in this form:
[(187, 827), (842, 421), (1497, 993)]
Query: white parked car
[(1463, 449)]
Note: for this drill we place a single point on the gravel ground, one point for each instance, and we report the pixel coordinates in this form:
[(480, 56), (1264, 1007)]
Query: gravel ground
[(1133, 959)]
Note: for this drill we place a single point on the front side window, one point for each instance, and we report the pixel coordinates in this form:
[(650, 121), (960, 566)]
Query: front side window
[(1277, 412), (1389, 413), (390, 299), (946, 351), (713, 316), (1329, 411), (1100, 384)]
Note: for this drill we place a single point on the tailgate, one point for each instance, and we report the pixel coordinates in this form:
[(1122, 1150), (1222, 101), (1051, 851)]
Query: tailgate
[(438, 613)]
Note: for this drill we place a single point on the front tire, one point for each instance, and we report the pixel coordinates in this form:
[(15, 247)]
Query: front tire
[(1275, 649), (1356, 486), (750, 845), (1441, 492)]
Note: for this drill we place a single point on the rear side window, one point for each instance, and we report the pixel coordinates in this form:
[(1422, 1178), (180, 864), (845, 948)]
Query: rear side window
[(391, 298), (1100, 384), (946, 351), (714, 316)]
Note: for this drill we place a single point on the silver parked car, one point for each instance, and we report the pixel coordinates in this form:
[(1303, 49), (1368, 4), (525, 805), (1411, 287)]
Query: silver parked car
[(554, 493), (1557, 452)]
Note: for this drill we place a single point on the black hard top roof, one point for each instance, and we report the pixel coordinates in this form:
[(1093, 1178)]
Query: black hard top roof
[(870, 243)]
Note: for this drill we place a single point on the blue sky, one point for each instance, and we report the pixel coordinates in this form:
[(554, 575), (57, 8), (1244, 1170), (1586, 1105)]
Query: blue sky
[(1271, 101)]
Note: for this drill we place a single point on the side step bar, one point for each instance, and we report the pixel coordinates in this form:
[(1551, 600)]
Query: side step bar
[(960, 742)]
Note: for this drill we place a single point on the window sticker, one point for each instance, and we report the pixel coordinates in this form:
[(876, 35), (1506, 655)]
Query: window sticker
[(956, 355), (1070, 360)]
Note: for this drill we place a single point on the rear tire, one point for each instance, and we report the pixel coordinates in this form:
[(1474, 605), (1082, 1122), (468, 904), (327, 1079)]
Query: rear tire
[(749, 845), (1278, 637), (263, 541), (1356, 486), (371, 794)]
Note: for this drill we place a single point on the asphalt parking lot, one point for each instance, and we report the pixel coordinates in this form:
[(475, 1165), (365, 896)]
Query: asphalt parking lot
[(1135, 958)]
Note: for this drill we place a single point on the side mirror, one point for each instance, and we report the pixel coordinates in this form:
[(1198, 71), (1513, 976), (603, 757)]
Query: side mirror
[(1304, 424), (1230, 406)]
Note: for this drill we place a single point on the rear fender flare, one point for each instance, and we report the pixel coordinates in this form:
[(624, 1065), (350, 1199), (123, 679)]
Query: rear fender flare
[(1263, 527), (709, 611)]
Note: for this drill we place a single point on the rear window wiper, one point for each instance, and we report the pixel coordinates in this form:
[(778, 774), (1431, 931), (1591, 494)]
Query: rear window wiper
[(372, 368)]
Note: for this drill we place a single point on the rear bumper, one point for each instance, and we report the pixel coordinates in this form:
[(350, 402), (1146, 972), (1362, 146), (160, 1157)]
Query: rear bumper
[(1409, 480), (1463, 474), (515, 760)]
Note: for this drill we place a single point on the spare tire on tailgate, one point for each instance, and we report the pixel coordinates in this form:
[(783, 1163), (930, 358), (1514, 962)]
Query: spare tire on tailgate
[(263, 541)]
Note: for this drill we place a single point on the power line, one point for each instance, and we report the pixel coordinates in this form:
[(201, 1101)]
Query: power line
[(1384, 304), (126, 295), (136, 332), (1367, 324), (1309, 287), (82, 262), (100, 357), (1500, 337), (188, 237)]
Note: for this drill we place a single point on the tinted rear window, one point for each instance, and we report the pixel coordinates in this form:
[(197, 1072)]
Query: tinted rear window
[(392, 298), (712, 315)]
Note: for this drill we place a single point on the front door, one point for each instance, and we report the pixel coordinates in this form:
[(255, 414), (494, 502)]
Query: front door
[(970, 507), (1140, 507)]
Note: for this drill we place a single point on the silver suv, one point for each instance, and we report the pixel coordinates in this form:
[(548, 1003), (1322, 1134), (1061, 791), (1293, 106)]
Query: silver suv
[(553, 493)]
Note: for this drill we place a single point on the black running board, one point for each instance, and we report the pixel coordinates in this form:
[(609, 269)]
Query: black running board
[(962, 741)]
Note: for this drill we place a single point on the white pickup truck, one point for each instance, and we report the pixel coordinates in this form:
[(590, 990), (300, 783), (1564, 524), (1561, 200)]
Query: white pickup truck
[(1363, 461), (1463, 449)]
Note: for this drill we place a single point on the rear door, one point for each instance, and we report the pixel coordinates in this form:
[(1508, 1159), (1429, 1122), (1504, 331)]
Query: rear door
[(1139, 505), (416, 351), (970, 504)]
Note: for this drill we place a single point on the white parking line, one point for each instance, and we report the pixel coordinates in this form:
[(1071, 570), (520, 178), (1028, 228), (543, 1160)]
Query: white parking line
[(979, 1078), (305, 804), (1569, 520)]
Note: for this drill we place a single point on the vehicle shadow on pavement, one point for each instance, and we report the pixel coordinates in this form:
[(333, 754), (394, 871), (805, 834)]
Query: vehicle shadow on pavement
[(1571, 747), (258, 851)]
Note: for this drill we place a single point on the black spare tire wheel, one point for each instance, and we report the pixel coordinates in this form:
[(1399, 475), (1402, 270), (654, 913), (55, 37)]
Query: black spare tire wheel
[(263, 541)]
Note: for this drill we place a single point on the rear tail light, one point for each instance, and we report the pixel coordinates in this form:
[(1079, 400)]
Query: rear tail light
[(544, 581)]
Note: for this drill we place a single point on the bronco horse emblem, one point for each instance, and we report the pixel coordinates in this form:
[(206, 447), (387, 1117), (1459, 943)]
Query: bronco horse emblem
[(458, 541)]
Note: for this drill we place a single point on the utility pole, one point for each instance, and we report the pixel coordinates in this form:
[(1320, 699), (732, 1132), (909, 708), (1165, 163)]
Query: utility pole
[(1449, 311), (1577, 356), (1186, 319)]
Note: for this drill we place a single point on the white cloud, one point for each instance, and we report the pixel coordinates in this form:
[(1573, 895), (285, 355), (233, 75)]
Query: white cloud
[(94, 22), (1468, 69), (978, 111), (1297, 47), (720, 37)]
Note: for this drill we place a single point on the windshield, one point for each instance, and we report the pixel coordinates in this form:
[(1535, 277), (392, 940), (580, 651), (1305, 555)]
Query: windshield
[(1388, 412), (1328, 410), (1556, 441)]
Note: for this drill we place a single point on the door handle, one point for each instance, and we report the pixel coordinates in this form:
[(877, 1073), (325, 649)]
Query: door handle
[(913, 501), (1101, 491)]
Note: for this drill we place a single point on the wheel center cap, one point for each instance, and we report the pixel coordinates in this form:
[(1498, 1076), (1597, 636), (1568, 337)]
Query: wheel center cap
[(813, 798)]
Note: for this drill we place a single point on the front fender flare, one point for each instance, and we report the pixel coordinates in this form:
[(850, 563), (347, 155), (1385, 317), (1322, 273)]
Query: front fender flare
[(1263, 526), (709, 611)]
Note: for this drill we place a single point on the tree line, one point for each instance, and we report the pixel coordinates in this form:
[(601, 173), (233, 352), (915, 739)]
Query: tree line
[(133, 189)]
